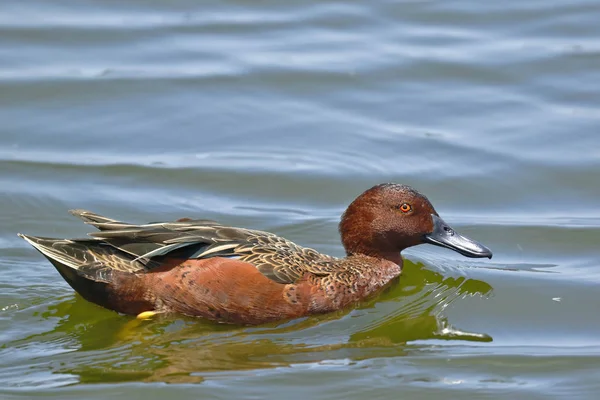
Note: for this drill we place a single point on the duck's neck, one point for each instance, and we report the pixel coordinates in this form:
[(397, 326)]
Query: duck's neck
[(395, 257), (359, 238)]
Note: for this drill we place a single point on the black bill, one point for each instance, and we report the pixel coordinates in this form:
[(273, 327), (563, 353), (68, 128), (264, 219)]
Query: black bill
[(445, 236)]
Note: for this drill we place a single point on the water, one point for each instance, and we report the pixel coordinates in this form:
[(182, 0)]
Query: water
[(275, 116)]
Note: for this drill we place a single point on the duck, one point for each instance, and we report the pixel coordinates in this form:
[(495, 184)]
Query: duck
[(201, 268)]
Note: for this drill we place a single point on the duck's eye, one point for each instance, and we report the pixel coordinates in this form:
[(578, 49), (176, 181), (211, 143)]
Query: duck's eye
[(405, 207)]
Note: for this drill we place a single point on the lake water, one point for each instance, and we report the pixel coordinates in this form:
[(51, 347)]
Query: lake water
[(275, 115)]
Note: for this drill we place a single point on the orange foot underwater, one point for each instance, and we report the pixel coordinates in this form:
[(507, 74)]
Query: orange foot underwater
[(242, 276)]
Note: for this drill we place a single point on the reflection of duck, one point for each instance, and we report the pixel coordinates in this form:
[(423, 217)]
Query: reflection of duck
[(417, 311), (234, 275)]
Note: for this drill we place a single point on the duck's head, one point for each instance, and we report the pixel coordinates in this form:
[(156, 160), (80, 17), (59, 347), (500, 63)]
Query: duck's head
[(388, 218)]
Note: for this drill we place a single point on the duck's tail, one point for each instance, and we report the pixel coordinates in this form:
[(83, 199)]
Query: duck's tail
[(69, 257), (84, 264), (59, 251)]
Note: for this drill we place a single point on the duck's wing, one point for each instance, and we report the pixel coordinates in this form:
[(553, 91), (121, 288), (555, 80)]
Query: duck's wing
[(277, 258)]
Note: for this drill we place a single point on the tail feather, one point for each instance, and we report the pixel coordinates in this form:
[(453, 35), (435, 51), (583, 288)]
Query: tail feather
[(77, 253), (63, 251), (98, 221)]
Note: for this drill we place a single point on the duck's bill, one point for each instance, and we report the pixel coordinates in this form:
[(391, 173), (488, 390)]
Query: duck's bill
[(443, 235)]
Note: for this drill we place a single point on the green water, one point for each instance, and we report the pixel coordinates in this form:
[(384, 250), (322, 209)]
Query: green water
[(274, 116)]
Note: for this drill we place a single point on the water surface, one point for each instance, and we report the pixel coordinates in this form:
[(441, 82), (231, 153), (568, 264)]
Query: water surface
[(275, 116)]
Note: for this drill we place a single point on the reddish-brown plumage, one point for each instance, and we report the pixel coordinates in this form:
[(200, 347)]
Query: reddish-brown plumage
[(233, 275), (223, 289)]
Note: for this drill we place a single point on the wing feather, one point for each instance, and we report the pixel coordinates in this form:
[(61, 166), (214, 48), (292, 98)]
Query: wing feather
[(277, 258)]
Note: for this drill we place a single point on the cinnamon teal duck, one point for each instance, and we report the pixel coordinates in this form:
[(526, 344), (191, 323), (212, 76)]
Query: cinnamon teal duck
[(243, 276)]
